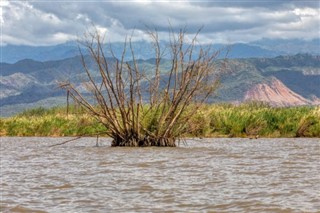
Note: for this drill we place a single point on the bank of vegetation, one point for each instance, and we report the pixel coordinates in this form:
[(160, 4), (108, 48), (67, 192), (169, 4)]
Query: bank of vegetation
[(218, 120)]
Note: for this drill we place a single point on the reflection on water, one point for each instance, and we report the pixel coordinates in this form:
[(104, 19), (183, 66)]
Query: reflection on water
[(217, 175)]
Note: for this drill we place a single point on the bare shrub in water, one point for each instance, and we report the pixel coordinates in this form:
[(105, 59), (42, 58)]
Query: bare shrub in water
[(147, 107)]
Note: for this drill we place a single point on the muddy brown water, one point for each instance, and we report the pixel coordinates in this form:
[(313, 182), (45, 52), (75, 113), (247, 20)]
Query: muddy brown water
[(208, 175)]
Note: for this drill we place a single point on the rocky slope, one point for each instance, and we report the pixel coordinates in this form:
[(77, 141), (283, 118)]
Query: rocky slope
[(276, 94), (12, 85)]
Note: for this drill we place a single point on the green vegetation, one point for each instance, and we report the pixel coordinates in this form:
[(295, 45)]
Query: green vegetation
[(257, 119), (50, 122), (219, 120)]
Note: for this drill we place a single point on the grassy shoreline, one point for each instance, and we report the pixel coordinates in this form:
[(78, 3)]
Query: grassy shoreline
[(217, 120)]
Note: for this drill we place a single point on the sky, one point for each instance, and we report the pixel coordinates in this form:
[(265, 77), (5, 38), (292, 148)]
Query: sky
[(225, 21)]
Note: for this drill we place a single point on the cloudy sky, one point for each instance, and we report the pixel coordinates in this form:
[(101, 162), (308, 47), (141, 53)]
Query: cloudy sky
[(51, 22)]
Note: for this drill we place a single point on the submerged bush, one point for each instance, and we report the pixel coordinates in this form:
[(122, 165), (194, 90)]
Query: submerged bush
[(147, 107)]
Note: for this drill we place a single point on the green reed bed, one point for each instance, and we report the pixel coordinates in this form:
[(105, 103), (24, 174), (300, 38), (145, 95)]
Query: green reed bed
[(256, 119), (50, 122), (219, 120)]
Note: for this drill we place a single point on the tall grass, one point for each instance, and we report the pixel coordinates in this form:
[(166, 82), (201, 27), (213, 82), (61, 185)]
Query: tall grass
[(219, 120), (256, 119), (50, 122)]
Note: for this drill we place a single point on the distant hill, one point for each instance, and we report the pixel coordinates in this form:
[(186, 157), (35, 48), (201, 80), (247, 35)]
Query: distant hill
[(14, 53), (281, 81), (290, 46), (298, 73), (263, 48)]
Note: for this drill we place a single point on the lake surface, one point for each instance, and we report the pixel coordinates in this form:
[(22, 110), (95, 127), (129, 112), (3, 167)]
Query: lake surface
[(208, 175)]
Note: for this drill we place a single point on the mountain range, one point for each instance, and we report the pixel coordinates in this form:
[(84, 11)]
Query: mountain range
[(280, 81), (143, 50)]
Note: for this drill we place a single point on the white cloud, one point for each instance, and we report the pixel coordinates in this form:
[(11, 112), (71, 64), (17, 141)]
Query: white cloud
[(42, 23), (3, 4)]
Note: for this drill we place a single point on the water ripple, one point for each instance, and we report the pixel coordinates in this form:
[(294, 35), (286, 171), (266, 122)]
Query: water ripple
[(212, 175)]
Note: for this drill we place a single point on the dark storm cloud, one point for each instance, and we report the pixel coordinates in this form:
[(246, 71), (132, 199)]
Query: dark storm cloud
[(45, 22)]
